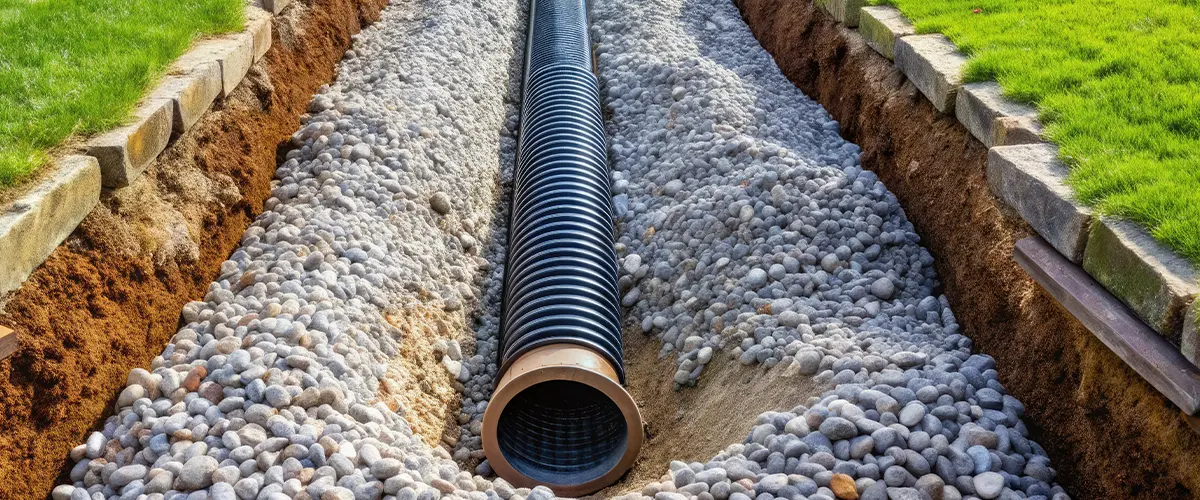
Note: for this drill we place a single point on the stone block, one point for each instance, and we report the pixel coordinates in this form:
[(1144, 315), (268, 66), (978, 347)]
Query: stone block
[(934, 65), (274, 6), (882, 27), (233, 53), (34, 225), (979, 105), (1190, 335), (1014, 130), (258, 25), (191, 90), (123, 153), (845, 11), (1153, 281), (1031, 180)]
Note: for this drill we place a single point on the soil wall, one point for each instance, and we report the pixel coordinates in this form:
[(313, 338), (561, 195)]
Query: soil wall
[(1109, 434), (108, 299)]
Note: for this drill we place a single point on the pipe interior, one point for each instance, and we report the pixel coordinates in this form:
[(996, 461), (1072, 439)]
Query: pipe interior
[(562, 432)]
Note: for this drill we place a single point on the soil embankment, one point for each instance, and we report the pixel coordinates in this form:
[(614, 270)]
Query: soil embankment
[(1109, 433), (108, 299)]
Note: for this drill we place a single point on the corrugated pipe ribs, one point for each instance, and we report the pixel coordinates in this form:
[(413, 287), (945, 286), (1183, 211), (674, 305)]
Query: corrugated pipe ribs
[(559, 416)]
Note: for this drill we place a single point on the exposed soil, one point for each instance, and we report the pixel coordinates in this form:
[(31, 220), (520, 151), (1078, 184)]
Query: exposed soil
[(109, 297), (417, 385), (1109, 433), (695, 423)]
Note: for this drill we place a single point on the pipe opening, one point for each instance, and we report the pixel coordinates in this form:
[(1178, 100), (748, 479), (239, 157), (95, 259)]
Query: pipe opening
[(560, 418), (562, 432)]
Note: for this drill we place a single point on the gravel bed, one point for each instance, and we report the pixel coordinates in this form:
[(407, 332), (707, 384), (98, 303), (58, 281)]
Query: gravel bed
[(278, 385), (747, 223), (747, 230)]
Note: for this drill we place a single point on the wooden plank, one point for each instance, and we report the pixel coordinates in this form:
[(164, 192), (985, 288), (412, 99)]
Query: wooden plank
[(1193, 421), (8, 342), (1150, 355)]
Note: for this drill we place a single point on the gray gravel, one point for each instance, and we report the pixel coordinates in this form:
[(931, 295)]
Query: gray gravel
[(273, 387), (747, 230), (747, 226)]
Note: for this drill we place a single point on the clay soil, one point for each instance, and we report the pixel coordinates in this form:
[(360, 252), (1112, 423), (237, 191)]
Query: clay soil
[(108, 299), (695, 423), (1109, 434)]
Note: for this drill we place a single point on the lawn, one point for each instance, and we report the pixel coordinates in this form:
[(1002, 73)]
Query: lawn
[(1117, 82), (79, 66)]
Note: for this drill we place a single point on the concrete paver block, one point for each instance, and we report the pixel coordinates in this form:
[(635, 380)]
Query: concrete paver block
[(934, 65), (33, 226), (1014, 130), (123, 153), (1190, 335), (234, 53), (1153, 281), (258, 25), (882, 26), (274, 6), (979, 105), (1031, 180), (845, 11), (9, 343), (191, 90)]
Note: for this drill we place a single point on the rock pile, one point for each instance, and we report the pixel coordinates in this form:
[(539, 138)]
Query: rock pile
[(748, 227)]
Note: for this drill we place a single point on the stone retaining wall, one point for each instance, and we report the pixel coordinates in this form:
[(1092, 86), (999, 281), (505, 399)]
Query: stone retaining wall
[(1025, 172), (36, 222)]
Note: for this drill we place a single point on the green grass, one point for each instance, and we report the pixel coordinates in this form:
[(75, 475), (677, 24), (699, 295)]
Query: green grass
[(80, 66), (1117, 82)]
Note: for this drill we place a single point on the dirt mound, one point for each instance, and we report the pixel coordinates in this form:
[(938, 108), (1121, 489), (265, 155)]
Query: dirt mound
[(107, 300), (1109, 434), (695, 423)]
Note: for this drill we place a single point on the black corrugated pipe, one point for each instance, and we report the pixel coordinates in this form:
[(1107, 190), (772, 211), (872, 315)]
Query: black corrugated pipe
[(559, 416)]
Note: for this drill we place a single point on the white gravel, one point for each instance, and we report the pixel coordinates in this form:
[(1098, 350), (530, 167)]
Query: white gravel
[(747, 223), (271, 390), (748, 227), (747, 230)]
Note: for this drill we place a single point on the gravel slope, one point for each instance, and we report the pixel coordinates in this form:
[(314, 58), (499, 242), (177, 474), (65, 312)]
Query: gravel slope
[(747, 229), (284, 381)]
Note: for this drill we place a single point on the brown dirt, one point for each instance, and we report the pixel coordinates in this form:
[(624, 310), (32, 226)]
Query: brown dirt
[(1109, 434), (417, 385), (108, 299), (696, 423)]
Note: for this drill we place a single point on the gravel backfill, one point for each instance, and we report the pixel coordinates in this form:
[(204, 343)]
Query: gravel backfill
[(278, 385), (747, 229)]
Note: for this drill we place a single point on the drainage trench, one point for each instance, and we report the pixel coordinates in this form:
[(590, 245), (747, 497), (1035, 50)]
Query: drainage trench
[(688, 242)]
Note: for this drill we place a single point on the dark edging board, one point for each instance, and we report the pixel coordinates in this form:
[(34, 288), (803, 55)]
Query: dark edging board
[(1143, 349)]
